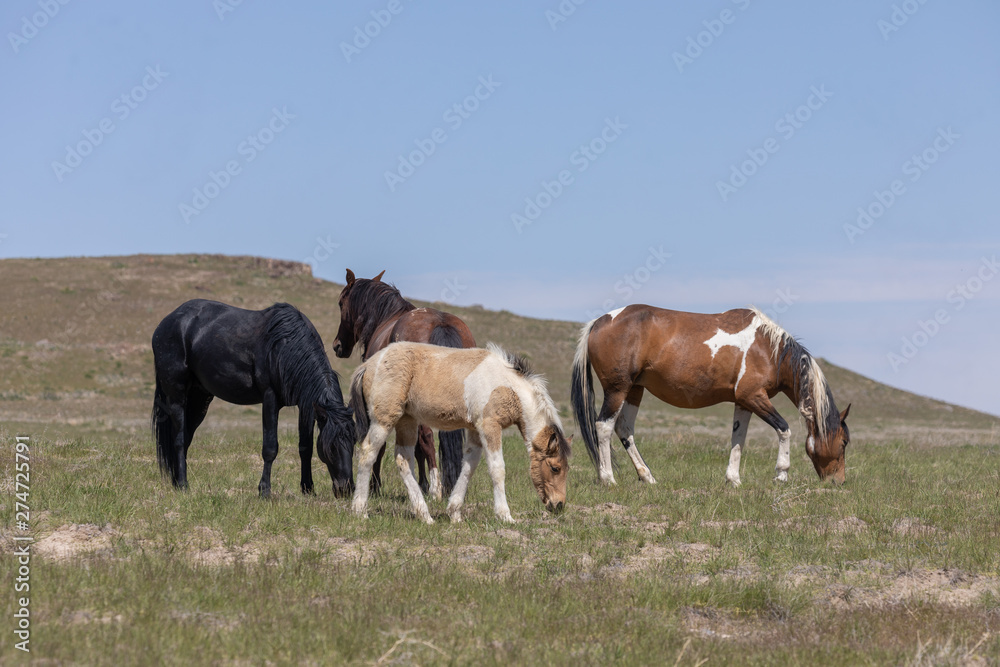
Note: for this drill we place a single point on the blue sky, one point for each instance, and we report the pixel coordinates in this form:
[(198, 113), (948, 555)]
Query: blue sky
[(553, 159)]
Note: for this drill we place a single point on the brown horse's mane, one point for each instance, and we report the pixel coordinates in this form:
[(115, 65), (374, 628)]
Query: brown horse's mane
[(815, 398), (373, 302)]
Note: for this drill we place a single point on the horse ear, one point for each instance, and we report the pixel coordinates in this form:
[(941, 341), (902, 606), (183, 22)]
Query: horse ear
[(350, 277), (378, 278), (843, 415)]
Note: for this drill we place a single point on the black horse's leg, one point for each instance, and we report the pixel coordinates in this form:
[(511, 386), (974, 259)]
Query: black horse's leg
[(269, 450), (306, 419), (195, 410), (177, 414), (375, 488)]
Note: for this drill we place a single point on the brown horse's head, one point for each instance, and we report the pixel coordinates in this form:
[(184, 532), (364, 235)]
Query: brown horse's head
[(827, 452), (550, 467), (343, 344)]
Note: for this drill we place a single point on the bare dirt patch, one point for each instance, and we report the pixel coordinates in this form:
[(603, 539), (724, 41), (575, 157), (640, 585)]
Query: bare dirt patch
[(72, 540), (953, 588)]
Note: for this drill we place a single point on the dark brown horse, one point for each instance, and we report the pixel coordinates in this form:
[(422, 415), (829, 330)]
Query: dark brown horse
[(692, 360), (374, 314)]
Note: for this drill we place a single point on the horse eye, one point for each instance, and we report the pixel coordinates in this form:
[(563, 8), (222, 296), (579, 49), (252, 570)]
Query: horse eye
[(555, 470)]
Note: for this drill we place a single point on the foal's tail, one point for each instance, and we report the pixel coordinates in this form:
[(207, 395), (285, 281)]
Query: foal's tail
[(162, 427), (358, 404), (451, 443), (582, 392)]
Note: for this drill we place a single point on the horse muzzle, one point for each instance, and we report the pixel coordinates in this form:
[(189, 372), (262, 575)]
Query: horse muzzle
[(555, 507)]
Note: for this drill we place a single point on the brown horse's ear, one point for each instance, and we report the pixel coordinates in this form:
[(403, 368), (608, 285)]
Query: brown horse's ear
[(843, 415), (350, 277), (378, 278)]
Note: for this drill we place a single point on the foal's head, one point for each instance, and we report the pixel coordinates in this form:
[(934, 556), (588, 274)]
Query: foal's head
[(550, 467), (343, 344), (827, 452)]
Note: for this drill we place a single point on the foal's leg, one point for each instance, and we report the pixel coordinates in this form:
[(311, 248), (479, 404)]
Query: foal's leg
[(741, 420), (406, 438), (606, 420), (373, 442), (763, 408), (269, 450), (470, 460), (426, 445), (492, 436), (625, 428)]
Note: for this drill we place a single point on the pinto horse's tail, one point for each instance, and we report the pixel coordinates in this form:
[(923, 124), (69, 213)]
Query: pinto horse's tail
[(358, 404), (162, 427), (451, 443), (582, 392)]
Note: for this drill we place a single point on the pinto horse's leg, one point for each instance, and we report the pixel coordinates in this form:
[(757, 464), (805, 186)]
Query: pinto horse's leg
[(763, 408), (406, 440), (374, 441), (625, 428), (606, 420), (741, 420), (376, 479), (470, 460), (269, 450), (425, 445)]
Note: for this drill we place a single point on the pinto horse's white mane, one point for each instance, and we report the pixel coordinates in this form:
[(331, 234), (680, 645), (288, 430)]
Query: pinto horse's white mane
[(537, 384), (814, 403)]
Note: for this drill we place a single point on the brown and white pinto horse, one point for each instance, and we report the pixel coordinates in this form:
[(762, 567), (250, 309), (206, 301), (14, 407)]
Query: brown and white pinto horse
[(484, 391), (692, 360), (374, 314)]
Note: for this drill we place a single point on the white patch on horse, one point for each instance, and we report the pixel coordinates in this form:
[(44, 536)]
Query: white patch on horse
[(614, 313), (741, 340)]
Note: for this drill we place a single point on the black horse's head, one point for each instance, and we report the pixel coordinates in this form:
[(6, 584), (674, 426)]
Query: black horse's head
[(347, 334), (335, 444)]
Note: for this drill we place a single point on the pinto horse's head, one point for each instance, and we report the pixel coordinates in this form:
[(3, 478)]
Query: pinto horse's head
[(827, 452), (549, 454), (335, 444), (343, 344)]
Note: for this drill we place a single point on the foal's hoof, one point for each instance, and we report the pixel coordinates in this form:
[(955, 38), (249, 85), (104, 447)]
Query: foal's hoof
[(781, 477)]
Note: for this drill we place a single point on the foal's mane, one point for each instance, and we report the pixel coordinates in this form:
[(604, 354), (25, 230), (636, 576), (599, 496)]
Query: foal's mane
[(539, 388), (294, 356), (376, 301), (815, 398)]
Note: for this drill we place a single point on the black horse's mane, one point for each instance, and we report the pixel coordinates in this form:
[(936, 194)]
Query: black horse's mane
[(294, 355), (373, 302)]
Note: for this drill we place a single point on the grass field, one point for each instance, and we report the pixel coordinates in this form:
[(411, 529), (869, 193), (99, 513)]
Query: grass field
[(899, 566)]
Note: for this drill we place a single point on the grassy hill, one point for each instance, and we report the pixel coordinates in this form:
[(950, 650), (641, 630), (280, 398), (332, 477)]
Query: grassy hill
[(75, 353)]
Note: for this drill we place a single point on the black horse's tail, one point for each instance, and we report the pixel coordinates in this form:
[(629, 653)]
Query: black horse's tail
[(358, 404), (582, 393), (451, 443), (163, 432)]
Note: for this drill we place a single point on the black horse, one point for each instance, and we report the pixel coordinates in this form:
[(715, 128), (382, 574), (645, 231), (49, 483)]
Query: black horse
[(273, 356)]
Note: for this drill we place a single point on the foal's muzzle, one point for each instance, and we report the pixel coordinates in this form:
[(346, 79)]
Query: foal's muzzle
[(554, 507)]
